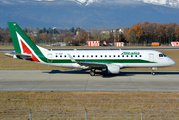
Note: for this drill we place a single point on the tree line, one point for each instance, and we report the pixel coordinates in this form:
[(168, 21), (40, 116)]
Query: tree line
[(152, 32), (145, 33)]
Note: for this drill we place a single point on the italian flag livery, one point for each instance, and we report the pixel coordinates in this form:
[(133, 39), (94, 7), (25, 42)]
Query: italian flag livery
[(110, 61), (24, 46)]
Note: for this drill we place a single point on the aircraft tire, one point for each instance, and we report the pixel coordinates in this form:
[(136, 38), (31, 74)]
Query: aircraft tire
[(153, 73), (92, 73)]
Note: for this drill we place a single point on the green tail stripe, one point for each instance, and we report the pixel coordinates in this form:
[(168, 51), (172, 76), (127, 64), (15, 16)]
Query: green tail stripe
[(14, 27)]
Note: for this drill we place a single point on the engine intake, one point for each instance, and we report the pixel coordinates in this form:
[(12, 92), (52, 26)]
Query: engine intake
[(113, 69)]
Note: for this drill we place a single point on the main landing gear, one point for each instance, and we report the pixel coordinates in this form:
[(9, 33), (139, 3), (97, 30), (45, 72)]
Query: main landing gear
[(92, 72)]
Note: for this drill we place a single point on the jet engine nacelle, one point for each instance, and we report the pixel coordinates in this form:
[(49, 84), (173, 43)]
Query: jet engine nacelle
[(113, 69)]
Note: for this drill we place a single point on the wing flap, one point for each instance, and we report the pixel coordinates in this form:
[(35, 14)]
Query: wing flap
[(93, 65)]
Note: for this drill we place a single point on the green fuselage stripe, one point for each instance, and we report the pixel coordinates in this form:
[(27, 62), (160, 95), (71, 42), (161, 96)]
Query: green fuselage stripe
[(101, 61)]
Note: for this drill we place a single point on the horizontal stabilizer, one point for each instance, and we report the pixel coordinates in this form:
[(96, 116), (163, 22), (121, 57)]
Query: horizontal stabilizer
[(14, 55)]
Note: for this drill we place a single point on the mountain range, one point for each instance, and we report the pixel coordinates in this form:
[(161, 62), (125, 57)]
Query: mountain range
[(168, 3), (87, 14)]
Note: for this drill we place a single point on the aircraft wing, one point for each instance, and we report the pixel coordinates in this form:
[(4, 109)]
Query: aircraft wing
[(88, 64), (93, 65)]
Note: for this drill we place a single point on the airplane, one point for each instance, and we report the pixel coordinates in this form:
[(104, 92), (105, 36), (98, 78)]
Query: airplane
[(110, 61)]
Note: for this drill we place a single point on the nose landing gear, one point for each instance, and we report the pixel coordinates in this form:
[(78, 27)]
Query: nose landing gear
[(153, 68), (153, 73)]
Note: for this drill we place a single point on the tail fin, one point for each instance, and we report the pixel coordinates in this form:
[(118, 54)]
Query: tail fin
[(23, 44)]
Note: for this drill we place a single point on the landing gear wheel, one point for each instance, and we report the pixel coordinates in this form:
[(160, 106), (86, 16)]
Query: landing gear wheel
[(92, 72), (153, 68), (153, 73)]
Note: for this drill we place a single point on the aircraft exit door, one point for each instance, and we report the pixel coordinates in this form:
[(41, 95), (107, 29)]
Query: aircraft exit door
[(151, 57)]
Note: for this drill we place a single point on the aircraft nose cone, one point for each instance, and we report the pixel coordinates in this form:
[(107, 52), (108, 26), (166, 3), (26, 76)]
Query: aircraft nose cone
[(172, 62)]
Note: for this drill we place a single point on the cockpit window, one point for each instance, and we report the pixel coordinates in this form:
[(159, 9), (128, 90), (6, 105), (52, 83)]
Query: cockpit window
[(162, 55)]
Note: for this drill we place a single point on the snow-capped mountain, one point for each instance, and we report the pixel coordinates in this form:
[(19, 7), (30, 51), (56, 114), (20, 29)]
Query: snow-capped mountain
[(168, 3), (86, 2)]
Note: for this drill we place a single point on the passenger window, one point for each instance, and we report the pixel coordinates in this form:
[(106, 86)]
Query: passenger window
[(83, 56), (87, 55), (118, 55), (135, 55), (60, 55), (140, 55), (91, 55), (105, 55), (122, 55), (101, 56), (114, 56), (131, 55), (127, 56), (78, 55), (73, 55), (96, 56), (109, 55), (64, 55)]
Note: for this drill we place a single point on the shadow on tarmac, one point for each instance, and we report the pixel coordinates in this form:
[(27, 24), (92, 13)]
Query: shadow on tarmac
[(68, 72), (122, 73)]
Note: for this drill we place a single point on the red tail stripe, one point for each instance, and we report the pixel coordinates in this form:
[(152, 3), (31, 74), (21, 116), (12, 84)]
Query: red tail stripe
[(28, 51)]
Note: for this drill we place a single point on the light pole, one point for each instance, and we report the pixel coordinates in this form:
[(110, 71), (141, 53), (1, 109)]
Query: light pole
[(114, 36), (54, 34), (120, 32)]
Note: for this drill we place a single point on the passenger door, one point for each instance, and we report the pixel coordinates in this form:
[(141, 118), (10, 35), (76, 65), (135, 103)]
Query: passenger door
[(151, 57)]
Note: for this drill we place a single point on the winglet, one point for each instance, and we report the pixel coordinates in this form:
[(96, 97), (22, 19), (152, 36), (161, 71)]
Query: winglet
[(72, 59)]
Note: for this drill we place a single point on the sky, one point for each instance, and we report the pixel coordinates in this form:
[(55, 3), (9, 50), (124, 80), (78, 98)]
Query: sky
[(171, 3), (87, 14)]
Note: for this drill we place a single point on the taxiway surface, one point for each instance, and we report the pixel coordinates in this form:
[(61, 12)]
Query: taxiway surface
[(38, 80)]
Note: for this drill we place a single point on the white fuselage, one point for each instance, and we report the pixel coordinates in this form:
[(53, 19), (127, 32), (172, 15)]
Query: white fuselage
[(123, 58)]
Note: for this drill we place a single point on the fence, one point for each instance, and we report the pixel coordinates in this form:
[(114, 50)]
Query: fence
[(149, 44), (6, 43), (89, 107), (84, 44), (125, 44)]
